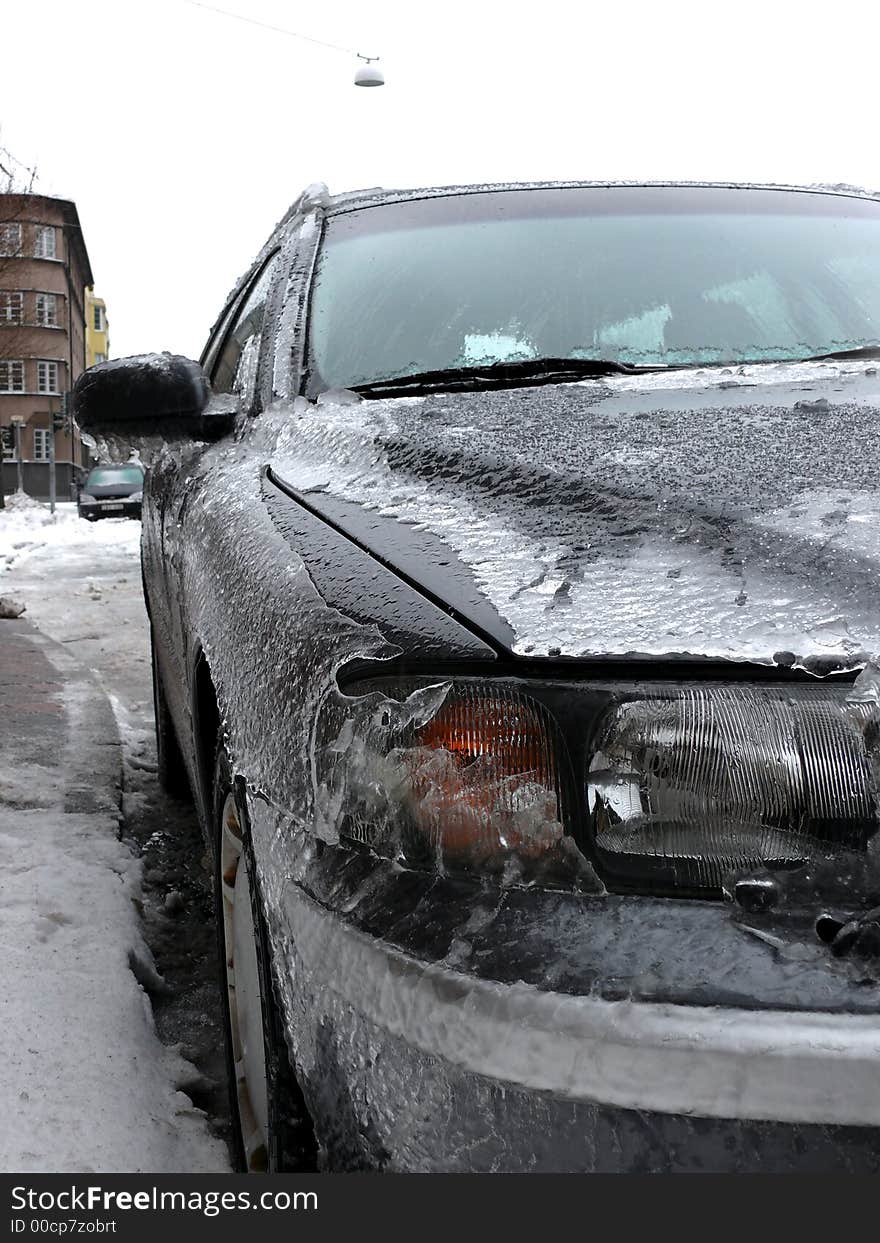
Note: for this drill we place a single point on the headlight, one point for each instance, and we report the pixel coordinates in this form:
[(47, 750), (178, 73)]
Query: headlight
[(689, 786), (480, 778), (680, 789), (86, 498), (136, 496), (459, 775)]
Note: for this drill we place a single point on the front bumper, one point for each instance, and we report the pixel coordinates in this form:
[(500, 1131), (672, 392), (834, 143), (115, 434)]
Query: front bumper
[(110, 509), (415, 1066), (440, 1024)]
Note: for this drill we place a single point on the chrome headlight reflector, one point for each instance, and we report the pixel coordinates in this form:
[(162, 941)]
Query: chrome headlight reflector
[(687, 786)]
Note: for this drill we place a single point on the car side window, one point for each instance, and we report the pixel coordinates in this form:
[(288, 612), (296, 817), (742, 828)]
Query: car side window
[(235, 370)]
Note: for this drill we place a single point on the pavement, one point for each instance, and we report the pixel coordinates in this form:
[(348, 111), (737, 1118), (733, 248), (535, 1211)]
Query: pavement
[(53, 715), (88, 1084)]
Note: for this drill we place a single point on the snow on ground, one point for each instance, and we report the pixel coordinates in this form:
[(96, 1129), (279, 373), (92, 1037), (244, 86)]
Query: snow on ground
[(28, 527), (80, 583), (87, 1085)]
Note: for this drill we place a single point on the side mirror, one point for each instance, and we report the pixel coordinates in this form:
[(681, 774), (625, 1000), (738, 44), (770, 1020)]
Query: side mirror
[(149, 393)]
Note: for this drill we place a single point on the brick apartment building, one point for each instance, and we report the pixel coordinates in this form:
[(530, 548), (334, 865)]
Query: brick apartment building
[(44, 274)]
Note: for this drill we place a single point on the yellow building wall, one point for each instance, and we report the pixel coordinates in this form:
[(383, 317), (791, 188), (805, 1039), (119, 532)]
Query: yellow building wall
[(97, 339)]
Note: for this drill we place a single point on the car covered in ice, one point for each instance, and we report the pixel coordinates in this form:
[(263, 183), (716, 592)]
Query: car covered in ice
[(512, 559)]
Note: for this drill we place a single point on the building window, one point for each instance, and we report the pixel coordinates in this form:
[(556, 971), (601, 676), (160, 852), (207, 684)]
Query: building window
[(11, 376), (10, 239), (100, 358), (41, 444), (47, 377), (98, 319), (47, 310), (8, 439), (11, 306), (44, 241)]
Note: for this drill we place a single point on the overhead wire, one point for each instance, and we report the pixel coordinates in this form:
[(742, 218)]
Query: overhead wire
[(280, 30)]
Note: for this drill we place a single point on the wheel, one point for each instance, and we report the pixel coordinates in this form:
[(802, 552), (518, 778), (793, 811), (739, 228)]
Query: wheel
[(271, 1128), (171, 770)]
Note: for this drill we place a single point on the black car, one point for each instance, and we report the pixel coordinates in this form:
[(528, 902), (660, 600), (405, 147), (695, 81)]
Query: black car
[(512, 565), (112, 491)]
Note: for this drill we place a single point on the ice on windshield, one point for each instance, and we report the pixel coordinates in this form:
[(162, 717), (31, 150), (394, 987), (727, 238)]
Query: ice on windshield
[(482, 348), (500, 277)]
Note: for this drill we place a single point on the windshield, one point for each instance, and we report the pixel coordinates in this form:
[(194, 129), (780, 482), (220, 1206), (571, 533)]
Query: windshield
[(656, 276), (111, 476)]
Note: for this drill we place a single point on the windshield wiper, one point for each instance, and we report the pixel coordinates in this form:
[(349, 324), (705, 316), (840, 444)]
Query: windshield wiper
[(861, 351), (526, 371)]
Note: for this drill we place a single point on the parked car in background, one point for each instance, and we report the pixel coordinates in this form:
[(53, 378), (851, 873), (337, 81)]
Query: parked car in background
[(112, 491), (512, 560)]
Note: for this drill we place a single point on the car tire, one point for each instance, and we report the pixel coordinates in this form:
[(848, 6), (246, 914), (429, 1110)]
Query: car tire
[(271, 1128), (170, 767)]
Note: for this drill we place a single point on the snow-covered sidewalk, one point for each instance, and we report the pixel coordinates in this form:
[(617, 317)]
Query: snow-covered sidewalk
[(87, 1085)]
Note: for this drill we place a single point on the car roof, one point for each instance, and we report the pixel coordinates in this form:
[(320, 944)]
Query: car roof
[(319, 196)]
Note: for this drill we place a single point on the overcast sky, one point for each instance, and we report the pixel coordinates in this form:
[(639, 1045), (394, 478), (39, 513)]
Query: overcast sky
[(183, 136)]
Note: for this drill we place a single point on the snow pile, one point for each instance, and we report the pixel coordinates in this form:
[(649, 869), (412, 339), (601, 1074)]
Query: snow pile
[(27, 526), (21, 502), (87, 1086)]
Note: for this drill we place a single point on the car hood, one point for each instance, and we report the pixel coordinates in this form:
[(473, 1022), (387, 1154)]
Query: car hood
[(111, 491), (729, 513)]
